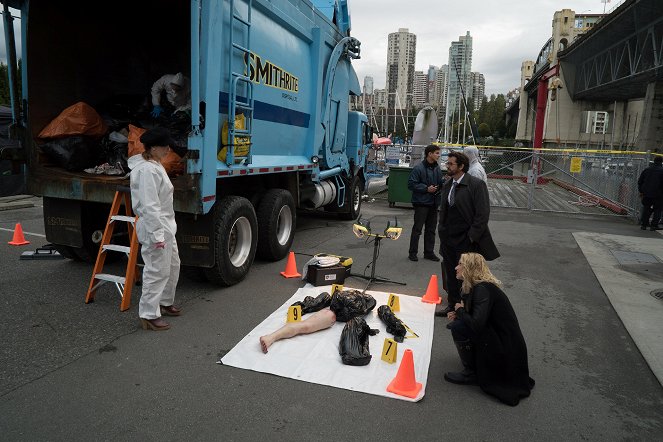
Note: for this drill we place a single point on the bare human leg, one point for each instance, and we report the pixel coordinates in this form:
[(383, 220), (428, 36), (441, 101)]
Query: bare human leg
[(319, 320)]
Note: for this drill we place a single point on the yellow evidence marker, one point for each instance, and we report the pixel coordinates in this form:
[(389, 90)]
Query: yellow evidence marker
[(394, 303), (336, 287), (294, 313), (389, 350)]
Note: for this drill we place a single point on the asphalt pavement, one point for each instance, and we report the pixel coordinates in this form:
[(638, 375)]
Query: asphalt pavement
[(72, 371)]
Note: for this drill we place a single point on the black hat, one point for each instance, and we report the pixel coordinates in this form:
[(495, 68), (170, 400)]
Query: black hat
[(157, 136)]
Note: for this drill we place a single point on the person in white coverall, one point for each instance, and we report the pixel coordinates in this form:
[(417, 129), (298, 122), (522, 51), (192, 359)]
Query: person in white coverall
[(152, 201), (178, 93), (476, 169)]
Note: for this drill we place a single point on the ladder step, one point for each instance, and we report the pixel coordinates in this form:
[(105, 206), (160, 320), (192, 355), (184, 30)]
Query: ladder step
[(242, 132), (129, 219), (240, 19), (110, 278), (116, 248), (242, 105), (241, 48)]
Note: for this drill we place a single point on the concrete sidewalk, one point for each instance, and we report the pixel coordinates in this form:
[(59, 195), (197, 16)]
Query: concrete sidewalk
[(630, 271)]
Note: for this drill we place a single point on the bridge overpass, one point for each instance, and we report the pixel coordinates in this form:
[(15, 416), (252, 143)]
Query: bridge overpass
[(599, 88)]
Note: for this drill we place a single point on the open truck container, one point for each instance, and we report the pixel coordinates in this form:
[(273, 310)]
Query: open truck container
[(285, 65)]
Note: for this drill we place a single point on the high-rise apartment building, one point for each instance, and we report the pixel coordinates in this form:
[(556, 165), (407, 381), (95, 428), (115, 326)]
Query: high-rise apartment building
[(478, 89), (459, 80), (401, 54), (439, 96), (368, 85), (420, 89)]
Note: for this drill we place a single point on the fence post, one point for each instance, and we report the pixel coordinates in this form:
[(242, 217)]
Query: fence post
[(535, 177)]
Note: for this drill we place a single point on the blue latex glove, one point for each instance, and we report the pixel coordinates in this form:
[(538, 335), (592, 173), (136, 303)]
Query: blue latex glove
[(157, 111)]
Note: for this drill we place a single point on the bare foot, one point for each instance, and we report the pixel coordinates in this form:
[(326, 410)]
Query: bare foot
[(264, 343)]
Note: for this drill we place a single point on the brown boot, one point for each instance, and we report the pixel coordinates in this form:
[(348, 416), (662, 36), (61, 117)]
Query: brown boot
[(157, 324)]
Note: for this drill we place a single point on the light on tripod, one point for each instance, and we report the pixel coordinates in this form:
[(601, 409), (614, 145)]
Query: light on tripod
[(360, 229), (393, 232)]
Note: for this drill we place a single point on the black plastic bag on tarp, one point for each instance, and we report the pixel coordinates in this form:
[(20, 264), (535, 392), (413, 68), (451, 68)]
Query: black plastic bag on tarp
[(311, 304), (114, 153), (394, 325), (353, 346), (348, 304), (72, 153)]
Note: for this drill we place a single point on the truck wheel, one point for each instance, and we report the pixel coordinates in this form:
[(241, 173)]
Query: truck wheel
[(276, 224), (235, 239), (352, 200)]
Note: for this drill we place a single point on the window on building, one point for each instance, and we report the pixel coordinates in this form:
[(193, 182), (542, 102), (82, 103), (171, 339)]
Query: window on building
[(596, 122), (566, 20)]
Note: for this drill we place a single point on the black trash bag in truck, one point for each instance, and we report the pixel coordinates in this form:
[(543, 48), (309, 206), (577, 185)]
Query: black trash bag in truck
[(350, 303), (353, 346), (394, 325), (72, 153), (311, 304)]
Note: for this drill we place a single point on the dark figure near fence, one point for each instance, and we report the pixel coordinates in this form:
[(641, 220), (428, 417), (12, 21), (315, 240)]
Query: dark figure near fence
[(650, 186)]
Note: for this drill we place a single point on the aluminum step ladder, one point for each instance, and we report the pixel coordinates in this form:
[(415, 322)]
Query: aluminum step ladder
[(124, 284), (235, 81)]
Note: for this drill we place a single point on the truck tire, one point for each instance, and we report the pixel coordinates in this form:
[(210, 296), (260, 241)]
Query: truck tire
[(276, 224), (352, 200), (235, 239)]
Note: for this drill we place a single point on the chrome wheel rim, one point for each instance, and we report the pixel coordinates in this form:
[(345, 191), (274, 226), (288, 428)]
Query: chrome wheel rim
[(239, 241), (284, 225)]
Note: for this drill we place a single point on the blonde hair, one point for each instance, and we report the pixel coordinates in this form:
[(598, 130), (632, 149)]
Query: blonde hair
[(474, 271)]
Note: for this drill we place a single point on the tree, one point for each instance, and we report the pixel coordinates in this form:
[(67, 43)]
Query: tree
[(5, 97), (484, 130)]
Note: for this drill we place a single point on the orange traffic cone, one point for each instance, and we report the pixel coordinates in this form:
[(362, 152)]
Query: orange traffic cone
[(19, 239), (432, 295), (291, 267), (404, 383)]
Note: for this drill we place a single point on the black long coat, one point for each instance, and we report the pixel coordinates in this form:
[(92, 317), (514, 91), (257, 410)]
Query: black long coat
[(473, 203), (500, 351)]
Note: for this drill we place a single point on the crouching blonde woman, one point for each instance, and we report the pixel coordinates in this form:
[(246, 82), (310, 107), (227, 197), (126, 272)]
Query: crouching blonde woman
[(487, 335)]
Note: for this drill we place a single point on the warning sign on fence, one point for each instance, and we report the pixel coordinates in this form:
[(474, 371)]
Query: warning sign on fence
[(576, 164)]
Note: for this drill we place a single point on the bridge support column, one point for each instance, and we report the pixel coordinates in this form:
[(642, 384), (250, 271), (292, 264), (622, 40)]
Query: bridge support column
[(651, 127), (541, 102)]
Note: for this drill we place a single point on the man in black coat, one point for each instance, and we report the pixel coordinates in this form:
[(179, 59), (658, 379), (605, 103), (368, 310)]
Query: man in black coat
[(463, 225), (650, 186), (425, 182)]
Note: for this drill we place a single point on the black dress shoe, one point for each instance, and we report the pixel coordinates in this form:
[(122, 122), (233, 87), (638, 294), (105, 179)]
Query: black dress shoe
[(412, 257), (432, 257)]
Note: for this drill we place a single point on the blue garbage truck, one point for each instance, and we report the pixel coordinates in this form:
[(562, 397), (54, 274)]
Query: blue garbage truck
[(271, 132)]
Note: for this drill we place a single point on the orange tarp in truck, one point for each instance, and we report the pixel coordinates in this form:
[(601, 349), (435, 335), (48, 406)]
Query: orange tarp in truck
[(77, 119), (172, 163)]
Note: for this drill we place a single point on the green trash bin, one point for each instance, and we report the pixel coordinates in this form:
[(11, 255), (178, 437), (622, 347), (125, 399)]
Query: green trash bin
[(397, 186)]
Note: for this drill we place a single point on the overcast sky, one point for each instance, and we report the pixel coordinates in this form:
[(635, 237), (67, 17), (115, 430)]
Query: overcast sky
[(504, 33)]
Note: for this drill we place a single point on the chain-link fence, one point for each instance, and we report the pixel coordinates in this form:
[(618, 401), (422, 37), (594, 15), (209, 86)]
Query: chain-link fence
[(602, 183)]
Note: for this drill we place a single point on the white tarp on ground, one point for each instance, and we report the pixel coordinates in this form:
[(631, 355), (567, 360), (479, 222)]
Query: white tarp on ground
[(314, 357)]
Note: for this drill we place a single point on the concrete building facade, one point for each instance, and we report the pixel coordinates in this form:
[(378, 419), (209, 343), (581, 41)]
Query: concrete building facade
[(568, 123), (478, 88), (420, 89), (401, 56), (459, 80)]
